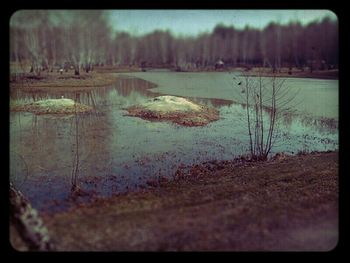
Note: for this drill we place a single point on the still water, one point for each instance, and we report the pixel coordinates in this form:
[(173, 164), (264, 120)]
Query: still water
[(118, 153)]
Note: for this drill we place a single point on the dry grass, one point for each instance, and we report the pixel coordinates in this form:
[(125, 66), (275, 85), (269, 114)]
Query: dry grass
[(289, 203)]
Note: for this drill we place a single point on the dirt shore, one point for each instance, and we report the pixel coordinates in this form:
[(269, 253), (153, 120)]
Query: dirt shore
[(105, 76), (267, 72), (295, 73), (65, 82), (288, 204)]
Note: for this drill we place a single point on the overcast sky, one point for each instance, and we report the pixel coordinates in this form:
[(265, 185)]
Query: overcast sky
[(193, 22)]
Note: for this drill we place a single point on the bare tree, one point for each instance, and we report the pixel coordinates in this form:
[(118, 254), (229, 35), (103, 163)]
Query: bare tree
[(266, 100), (83, 38)]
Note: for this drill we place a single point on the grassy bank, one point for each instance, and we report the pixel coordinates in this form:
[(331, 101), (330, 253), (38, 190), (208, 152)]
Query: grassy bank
[(290, 203)]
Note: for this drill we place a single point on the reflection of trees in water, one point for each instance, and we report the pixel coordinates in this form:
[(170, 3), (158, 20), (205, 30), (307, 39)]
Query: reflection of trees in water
[(94, 138), (36, 141), (48, 145), (52, 144), (127, 85), (26, 96), (88, 96), (93, 97), (211, 102), (89, 146), (47, 142)]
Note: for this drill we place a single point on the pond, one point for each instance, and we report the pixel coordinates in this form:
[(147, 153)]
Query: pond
[(119, 153)]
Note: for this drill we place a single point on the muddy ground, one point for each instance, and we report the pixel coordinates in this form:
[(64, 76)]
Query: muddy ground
[(288, 204), (61, 82), (267, 72), (293, 73)]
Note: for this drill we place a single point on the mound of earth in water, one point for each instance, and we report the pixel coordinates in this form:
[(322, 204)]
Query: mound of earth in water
[(176, 109), (52, 106)]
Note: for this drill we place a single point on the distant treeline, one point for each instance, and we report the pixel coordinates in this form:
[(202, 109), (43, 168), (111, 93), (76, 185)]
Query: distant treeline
[(83, 39)]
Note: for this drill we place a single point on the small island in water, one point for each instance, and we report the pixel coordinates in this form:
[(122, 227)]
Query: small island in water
[(176, 109), (51, 106)]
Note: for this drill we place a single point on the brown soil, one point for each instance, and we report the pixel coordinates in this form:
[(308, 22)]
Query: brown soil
[(267, 72), (117, 69), (295, 73), (56, 81), (289, 203)]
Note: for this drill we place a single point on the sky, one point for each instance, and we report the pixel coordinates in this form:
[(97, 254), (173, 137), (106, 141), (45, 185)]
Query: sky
[(194, 22)]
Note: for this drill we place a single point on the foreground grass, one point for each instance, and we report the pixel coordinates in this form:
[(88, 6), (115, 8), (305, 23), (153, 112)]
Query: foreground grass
[(288, 204)]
